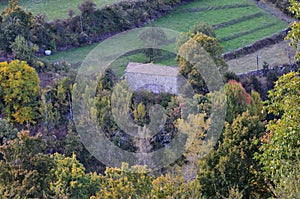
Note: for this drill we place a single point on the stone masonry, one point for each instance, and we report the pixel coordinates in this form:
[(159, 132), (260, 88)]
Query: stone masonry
[(152, 77)]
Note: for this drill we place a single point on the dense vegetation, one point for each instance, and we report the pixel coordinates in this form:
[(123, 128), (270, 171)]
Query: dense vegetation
[(243, 163), (41, 153)]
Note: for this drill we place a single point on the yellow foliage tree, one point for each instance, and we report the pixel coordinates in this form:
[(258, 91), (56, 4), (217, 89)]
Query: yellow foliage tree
[(140, 114), (20, 86), (125, 183)]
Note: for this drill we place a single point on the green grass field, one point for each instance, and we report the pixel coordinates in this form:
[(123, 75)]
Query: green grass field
[(214, 12), (55, 8), (181, 20)]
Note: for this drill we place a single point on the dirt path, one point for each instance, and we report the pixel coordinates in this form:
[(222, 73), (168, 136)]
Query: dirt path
[(271, 8)]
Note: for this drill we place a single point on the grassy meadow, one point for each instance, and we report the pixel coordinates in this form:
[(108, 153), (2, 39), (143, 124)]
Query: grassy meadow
[(54, 9), (237, 23)]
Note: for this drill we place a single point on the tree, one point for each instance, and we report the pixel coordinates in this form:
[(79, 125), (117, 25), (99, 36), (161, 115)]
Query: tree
[(281, 147), (140, 114), (15, 21), (24, 170), (170, 186), (238, 100), (87, 7), (203, 28), (125, 182), (87, 19), (27, 172), (69, 179), (56, 104), (190, 50), (294, 33), (232, 163), (21, 91), (7, 132), (23, 50), (39, 33), (12, 4), (154, 38)]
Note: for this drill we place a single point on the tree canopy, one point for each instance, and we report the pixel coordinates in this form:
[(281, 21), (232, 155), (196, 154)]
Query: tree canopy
[(20, 86), (281, 148), (294, 33)]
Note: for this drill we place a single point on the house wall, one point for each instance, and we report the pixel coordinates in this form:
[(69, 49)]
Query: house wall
[(154, 83)]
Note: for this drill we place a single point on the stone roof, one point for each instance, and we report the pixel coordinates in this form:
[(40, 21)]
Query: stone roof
[(151, 69)]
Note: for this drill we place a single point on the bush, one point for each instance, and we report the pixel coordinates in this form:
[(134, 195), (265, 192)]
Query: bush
[(231, 76)]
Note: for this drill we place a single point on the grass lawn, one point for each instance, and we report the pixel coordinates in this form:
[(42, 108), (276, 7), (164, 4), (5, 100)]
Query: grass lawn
[(55, 8), (209, 11)]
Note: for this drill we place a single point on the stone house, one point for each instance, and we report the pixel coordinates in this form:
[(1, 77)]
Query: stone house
[(153, 77)]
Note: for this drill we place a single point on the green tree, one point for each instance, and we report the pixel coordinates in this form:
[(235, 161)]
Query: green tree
[(232, 163), (25, 170), (103, 101), (203, 28), (71, 144), (21, 91), (125, 182), (87, 7), (191, 51), (281, 147), (170, 186), (139, 114), (153, 37), (39, 33), (7, 132), (69, 179), (23, 50), (294, 33), (238, 100), (15, 21)]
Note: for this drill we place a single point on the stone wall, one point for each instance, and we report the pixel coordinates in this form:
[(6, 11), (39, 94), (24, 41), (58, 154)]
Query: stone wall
[(153, 83), (278, 70), (252, 48)]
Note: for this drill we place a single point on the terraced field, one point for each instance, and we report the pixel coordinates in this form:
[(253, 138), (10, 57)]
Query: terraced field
[(54, 8), (236, 22)]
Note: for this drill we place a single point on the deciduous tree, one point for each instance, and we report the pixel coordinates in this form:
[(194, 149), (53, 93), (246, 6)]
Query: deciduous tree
[(24, 50), (199, 59), (15, 21), (281, 147), (21, 91), (294, 33), (154, 38), (232, 163)]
